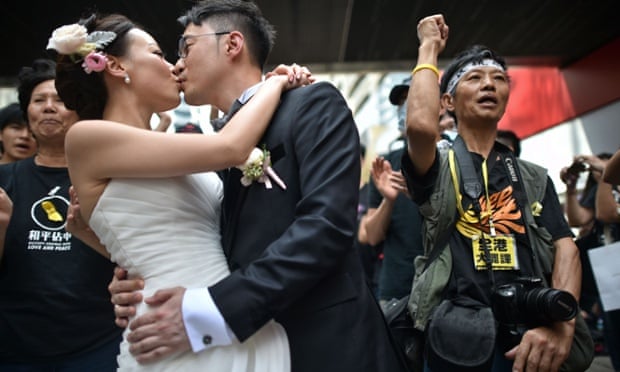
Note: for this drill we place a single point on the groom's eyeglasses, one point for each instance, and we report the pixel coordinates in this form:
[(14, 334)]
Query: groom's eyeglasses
[(184, 47)]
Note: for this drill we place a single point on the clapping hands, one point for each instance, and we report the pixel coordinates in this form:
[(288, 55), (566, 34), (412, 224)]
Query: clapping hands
[(389, 182)]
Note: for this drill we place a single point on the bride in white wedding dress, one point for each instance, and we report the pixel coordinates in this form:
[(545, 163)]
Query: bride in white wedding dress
[(149, 198), (167, 232)]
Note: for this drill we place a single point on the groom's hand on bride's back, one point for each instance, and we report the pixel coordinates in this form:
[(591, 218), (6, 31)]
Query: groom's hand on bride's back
[(159, 332), (125, 294)]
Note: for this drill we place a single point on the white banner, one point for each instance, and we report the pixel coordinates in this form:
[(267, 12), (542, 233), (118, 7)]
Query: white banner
[(604, 261)]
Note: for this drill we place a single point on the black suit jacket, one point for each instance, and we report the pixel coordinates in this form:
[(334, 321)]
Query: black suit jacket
[(291, 251)]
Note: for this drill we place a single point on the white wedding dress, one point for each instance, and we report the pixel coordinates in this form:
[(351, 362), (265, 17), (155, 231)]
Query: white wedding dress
[(167, 231)]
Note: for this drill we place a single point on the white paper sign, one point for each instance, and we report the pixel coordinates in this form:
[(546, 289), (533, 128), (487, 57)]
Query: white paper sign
[(604, 261)]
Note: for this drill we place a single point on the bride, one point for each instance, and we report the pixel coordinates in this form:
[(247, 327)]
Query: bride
[(142, 192)]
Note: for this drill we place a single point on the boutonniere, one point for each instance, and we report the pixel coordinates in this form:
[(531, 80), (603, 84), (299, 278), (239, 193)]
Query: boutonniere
[(258, 168), (536, 209)]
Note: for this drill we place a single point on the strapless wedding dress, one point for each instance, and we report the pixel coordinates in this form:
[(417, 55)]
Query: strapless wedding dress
[(167, 232)]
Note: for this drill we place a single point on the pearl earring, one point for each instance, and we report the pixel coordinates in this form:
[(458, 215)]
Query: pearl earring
[(127, 79)]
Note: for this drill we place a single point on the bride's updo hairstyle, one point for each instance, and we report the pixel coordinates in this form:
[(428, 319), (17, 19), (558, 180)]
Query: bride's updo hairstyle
[(81, 58)]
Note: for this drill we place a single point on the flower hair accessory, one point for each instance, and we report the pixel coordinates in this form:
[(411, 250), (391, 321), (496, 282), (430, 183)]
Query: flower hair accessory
[(75, 41), (258, 168), (94, 61)]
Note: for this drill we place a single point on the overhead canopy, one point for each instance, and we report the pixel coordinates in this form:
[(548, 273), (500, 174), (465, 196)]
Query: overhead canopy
[(349, 35)]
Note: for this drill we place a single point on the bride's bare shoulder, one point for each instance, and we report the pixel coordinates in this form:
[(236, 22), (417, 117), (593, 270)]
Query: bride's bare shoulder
[(95, 128)]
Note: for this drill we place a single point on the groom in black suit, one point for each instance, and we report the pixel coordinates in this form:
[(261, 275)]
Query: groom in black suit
[(290, 250)]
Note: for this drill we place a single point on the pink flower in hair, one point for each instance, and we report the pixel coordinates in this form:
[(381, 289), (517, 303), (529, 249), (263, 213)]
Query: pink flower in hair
[(94, 61)]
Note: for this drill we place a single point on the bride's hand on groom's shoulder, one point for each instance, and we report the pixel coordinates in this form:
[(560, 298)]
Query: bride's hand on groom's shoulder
[(161, 331), (297, 75)]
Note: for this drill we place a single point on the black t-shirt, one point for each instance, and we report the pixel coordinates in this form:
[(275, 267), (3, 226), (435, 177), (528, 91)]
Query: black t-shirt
[(465, 279), (403, 239), (53, 288)]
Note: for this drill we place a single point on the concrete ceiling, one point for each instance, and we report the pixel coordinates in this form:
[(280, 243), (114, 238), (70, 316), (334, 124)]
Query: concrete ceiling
[(348, 35)]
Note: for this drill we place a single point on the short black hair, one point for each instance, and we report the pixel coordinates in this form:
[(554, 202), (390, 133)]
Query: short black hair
[(11, 114), (241, 15), (31, 76)]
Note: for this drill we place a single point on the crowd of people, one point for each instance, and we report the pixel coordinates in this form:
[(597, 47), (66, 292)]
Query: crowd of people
[(55, 304), (243, 249), (392, 221)]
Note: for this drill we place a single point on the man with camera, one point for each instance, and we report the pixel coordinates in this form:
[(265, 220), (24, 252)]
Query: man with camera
[(497, 247), (595, 211)]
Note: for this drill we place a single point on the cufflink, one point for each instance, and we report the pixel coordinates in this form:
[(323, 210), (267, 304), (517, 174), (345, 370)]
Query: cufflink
[(207, 340)]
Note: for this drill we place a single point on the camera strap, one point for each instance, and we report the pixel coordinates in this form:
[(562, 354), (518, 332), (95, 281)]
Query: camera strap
[(518, 190), (473, 189), (514, 176)]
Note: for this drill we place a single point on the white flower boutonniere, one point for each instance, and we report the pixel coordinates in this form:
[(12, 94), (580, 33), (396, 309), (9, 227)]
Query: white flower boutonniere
[(258, 168)]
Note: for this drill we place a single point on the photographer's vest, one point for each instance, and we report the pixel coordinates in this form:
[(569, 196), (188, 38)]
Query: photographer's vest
[(434, 267), (439, 212)]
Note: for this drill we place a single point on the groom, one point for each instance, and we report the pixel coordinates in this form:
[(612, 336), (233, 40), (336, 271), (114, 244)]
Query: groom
[(290, 250)]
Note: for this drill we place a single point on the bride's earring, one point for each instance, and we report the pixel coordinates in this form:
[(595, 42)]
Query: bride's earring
[(127, 79)]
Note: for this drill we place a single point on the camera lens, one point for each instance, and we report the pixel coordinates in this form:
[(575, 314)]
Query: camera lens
[(550, 305)]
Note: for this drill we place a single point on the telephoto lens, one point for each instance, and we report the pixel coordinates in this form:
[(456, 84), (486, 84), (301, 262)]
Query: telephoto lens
[(527, 302), (548, 305)]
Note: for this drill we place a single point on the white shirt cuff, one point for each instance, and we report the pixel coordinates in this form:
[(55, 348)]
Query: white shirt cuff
[(204, 324)]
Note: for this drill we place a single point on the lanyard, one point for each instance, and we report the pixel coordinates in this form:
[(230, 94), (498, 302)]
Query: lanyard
[(472, 189), (470, 217), (485, 178)]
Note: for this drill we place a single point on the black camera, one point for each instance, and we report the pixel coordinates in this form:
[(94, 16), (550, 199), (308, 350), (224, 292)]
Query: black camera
[(578, 167), (526, 304)]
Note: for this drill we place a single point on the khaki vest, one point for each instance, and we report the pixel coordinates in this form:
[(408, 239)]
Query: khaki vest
[(439, 213)]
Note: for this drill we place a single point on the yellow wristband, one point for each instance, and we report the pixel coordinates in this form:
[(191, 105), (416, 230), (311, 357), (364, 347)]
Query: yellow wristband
[(427, 66)]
